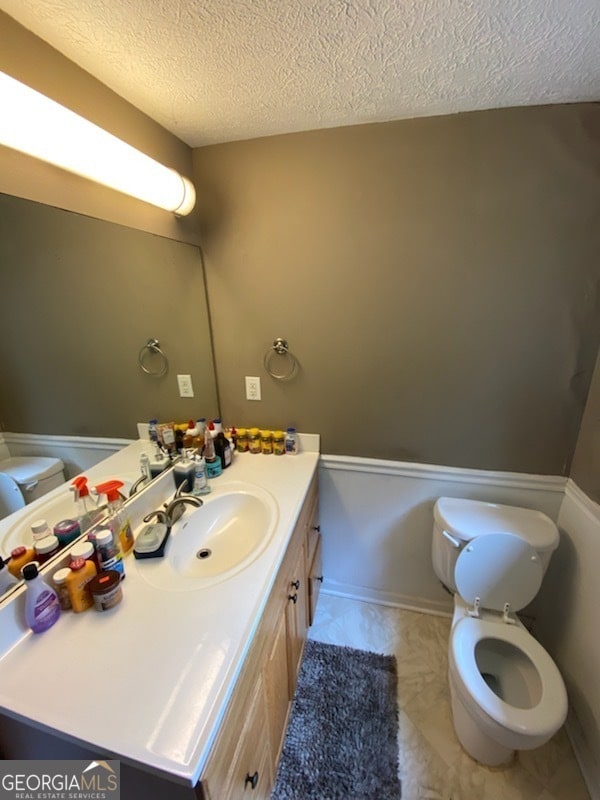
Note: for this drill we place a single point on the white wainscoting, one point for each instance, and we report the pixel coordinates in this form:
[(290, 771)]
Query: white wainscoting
[(377, 518), (566, 612), (78, 453)]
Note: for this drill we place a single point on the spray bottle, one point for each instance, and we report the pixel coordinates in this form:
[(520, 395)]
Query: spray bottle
[(87, 513), (118, 521)]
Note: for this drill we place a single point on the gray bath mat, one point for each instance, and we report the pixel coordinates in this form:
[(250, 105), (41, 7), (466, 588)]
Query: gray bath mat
[(341, 742)]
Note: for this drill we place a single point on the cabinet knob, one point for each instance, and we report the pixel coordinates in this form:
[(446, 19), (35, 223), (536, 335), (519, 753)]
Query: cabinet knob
[(295, 585), (293, 598), (316, 528), (319, 578), (251, 779)]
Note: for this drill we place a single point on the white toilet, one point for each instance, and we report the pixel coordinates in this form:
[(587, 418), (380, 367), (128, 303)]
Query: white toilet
[(507, 693), (25, 478)]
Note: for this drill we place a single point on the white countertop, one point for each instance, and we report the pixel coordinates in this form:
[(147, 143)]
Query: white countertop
[(163, 662)]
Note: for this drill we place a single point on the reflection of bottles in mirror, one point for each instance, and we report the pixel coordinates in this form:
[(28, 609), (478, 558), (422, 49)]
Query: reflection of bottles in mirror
[(18, 558), (39, 530), (145, 466), (159, 462), (46, 548), (153, 430), (7, 579)]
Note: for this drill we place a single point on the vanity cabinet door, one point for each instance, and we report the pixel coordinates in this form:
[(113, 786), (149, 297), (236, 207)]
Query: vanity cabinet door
[(296, 617), (314, 559), (315, 580), (240, 767), (277, 687)]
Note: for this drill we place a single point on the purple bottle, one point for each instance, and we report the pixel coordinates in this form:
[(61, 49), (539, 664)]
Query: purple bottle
[(42, 607)]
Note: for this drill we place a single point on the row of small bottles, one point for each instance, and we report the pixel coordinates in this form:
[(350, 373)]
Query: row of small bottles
[(92, 579), (255, 440), (95, 570)]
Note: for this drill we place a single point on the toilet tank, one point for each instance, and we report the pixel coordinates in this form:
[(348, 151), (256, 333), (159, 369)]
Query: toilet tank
[(35, 475), (457, 521)]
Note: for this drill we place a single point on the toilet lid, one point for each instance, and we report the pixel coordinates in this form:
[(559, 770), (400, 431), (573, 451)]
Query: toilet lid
[(498, 568)]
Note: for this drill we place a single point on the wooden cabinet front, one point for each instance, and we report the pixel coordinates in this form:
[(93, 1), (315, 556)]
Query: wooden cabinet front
[(243, 761)]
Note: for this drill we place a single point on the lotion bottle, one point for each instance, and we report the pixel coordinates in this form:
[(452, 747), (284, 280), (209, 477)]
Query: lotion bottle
[(42, 607)]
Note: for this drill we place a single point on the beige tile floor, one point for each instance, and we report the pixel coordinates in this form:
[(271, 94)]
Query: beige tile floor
[(433, 765)]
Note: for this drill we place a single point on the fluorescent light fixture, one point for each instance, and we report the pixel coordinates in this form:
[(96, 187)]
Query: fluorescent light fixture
[(42, 128)]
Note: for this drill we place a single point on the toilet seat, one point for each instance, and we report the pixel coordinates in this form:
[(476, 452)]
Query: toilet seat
[(543, 718), (497, 569)]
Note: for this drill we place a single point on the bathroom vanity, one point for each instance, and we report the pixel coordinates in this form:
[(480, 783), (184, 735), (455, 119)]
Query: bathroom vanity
[(189, 686)]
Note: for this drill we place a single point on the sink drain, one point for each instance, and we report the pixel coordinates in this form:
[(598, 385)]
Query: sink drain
[(204, 553)]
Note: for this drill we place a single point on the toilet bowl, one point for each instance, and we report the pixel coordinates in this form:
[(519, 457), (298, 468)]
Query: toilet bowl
[(507, 693)]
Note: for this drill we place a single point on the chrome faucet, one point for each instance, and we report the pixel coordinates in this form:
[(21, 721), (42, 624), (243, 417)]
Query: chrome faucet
[(134, 488), (176, 507), (183, 487)]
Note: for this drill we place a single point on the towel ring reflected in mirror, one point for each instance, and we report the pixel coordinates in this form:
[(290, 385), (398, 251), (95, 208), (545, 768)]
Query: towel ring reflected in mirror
[(280, 348), (148, 351)]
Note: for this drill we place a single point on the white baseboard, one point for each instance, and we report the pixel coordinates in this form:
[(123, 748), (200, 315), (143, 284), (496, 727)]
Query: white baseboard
[(388, 599)]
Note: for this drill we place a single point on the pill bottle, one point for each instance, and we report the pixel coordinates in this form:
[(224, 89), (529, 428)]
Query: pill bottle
[(66, 531), (108, 554), (278, 443), (254, 440), (60, 587), (106, 590), (266, 442), (77, 582), (241, 442), (86, 550), (18, 558), (46, 548), (40, 529), (291, 442)]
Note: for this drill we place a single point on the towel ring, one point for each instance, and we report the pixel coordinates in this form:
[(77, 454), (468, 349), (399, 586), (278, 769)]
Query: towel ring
[(280, 347), (153, 346)]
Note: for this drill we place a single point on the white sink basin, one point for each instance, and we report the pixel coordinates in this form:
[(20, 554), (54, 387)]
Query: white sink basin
[(216, 541)]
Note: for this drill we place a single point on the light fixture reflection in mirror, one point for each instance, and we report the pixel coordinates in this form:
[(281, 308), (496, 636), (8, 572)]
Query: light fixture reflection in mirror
[(40, 127)]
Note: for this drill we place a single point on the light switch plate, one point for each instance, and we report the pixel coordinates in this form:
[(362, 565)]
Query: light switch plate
[(252, 388), (185, 386)]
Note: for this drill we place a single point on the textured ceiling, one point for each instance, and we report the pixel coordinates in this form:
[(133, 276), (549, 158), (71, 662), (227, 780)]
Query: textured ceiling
[(218, 70)]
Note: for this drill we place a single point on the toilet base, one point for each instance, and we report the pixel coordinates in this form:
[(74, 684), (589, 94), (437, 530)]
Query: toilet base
[(475, 742)]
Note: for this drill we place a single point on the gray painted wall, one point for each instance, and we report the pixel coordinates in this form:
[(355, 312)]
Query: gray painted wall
[(79, 297), (436, 278), (586, 463)]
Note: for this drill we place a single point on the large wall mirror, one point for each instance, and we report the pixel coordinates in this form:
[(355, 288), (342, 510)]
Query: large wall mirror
[(79, 299)]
